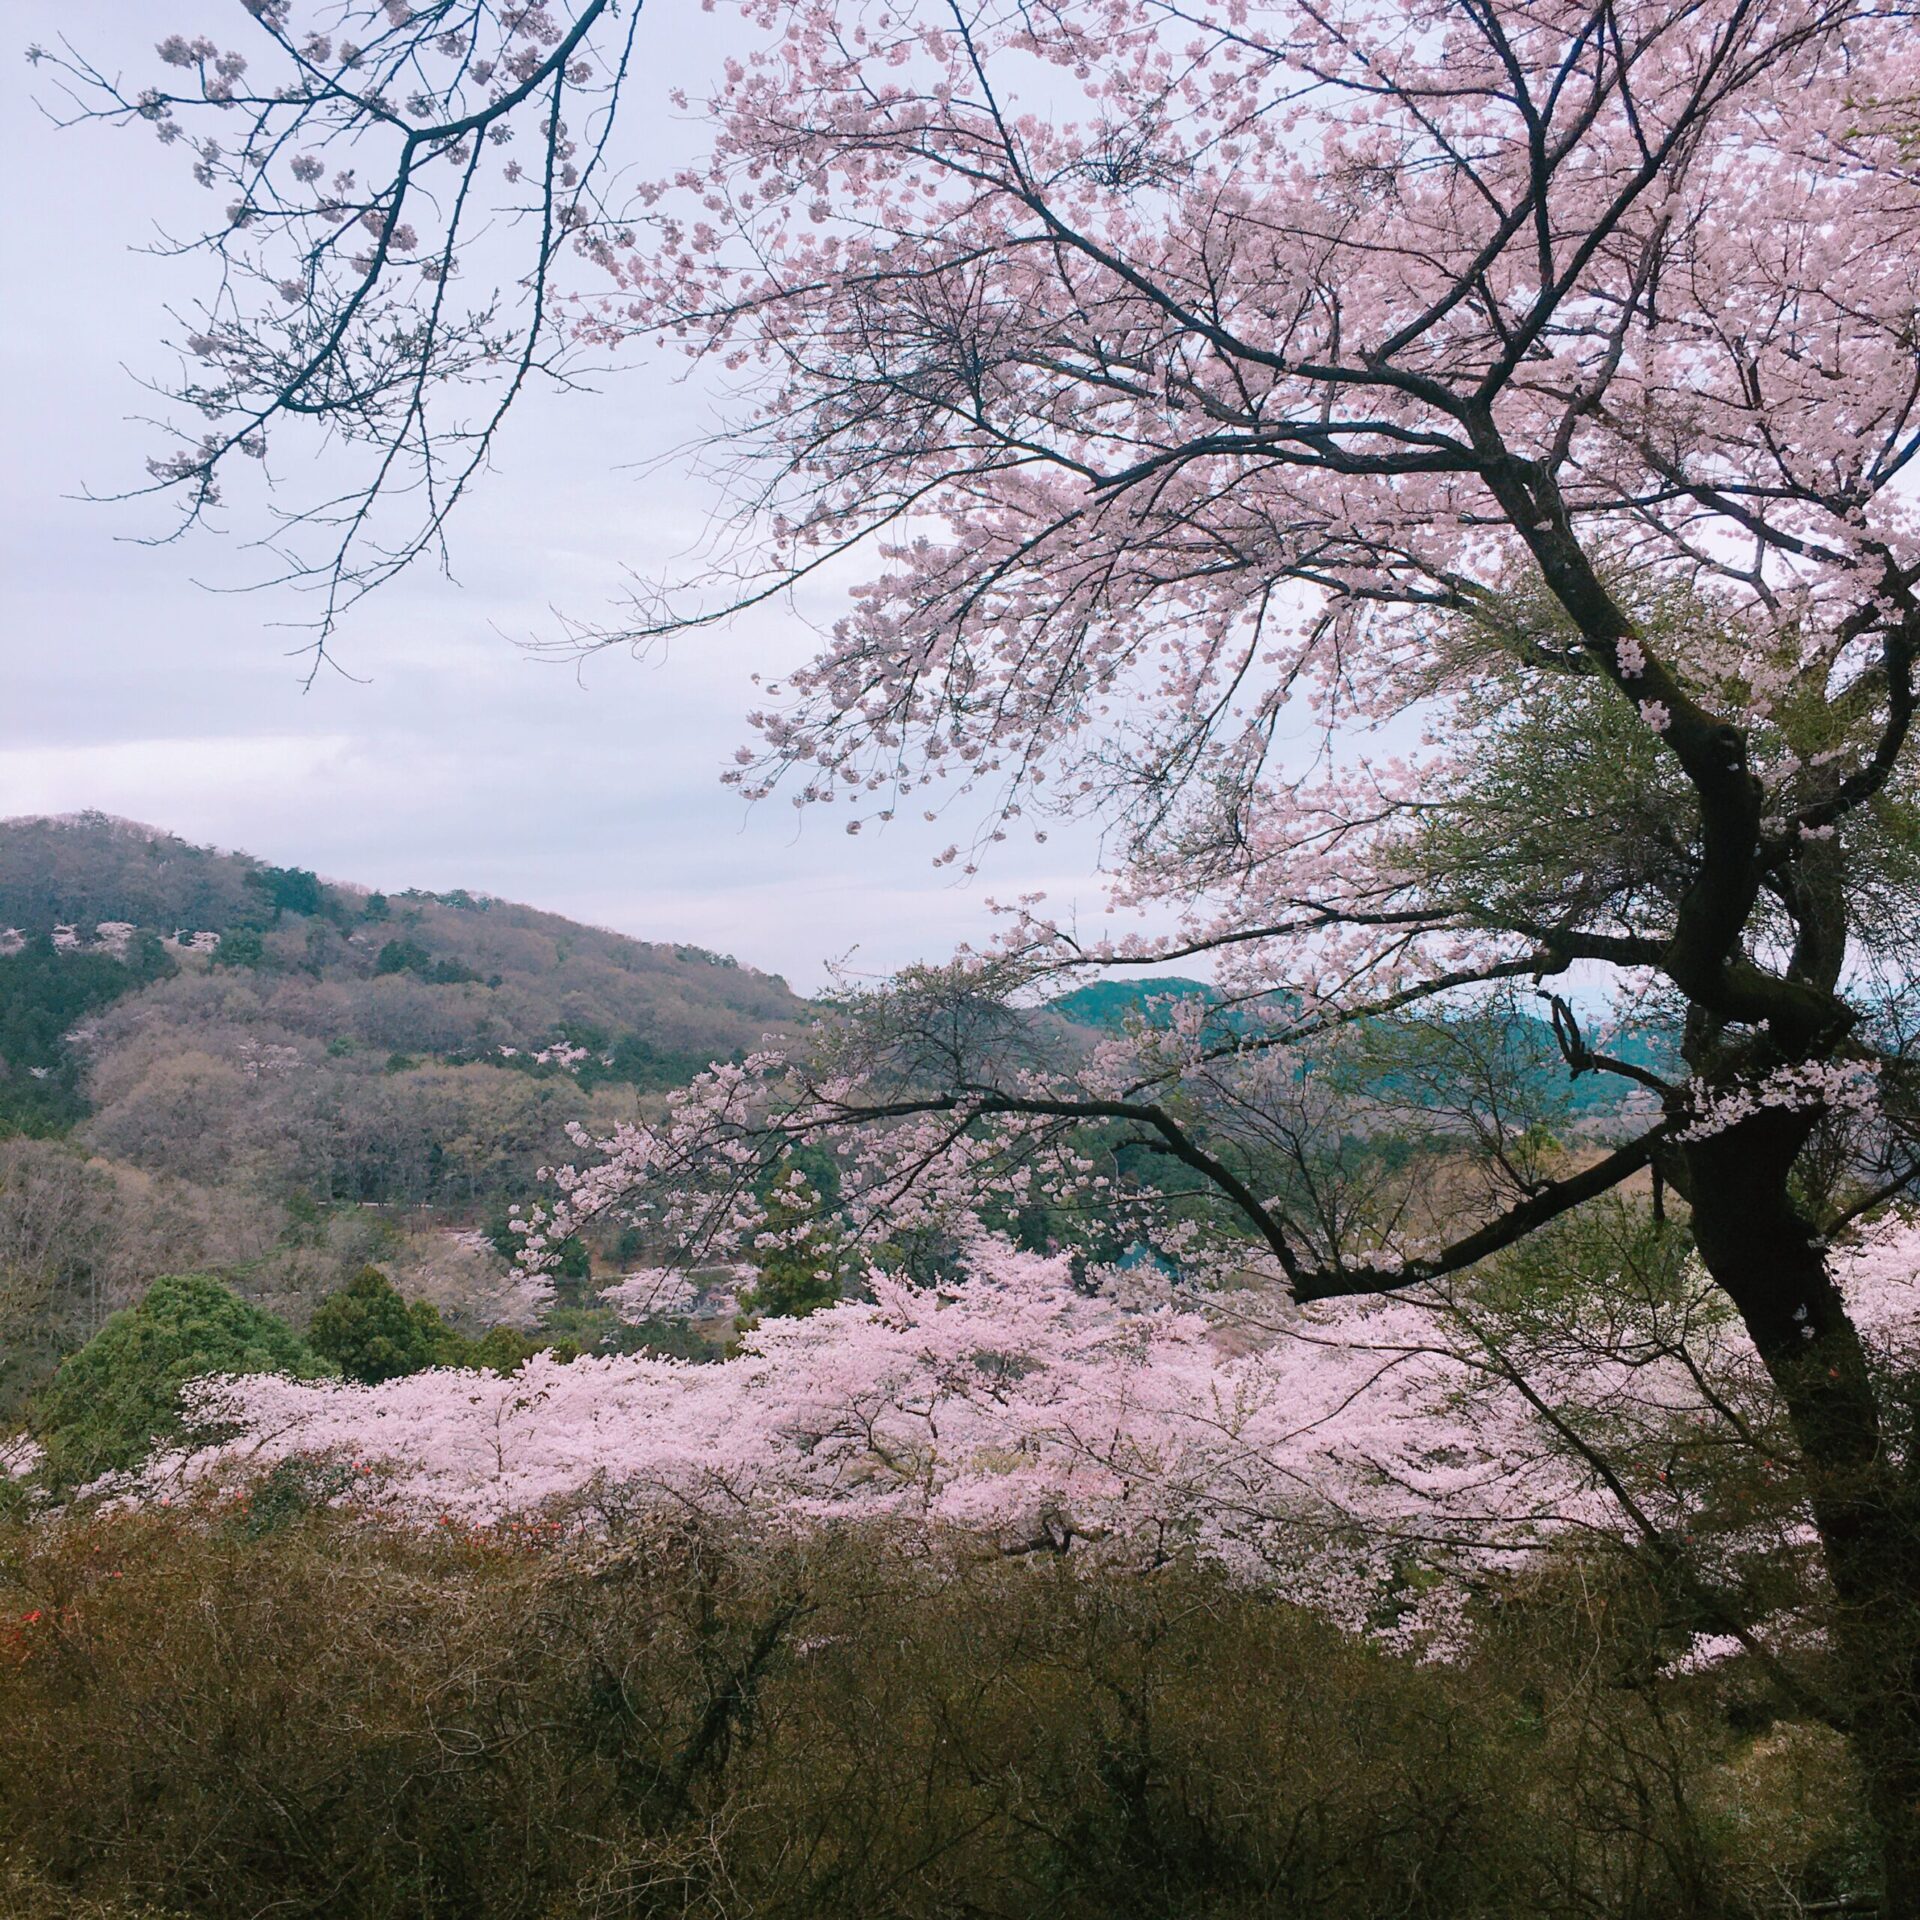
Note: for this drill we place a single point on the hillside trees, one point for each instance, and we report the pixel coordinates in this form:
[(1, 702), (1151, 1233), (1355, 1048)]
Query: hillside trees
[(1437, 478), (246, 1104), (119, 1396), (44, 995), (508, 974), (92, 867), (81, 1238), (370, 1333), (56, 1246)]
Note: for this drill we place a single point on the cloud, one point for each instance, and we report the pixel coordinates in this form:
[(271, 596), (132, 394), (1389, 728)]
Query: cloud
[(450, 758), (206, 782)]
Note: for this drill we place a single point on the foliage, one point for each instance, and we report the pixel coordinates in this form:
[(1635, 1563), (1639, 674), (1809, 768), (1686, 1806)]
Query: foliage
[(408, 956), (657, 1006), (257, 1066), (291, 890), (505, 1350), (243, 947), (571, 1330), (88, 867), (118, 1398), (799, 1262), (44, 995), (81, 1238), (370, 1333), (508, 1725), (632, 1060)]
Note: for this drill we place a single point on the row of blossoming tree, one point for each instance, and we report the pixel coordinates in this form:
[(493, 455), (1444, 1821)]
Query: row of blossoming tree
[(1397, 1465), (1432, 475)]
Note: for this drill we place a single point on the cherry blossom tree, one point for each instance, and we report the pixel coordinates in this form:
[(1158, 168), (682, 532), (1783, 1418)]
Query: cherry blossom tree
[(1435, 476), (396, 185), (1391, 1463)]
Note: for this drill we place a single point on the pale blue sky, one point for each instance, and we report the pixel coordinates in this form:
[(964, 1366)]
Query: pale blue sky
[(457, 760)]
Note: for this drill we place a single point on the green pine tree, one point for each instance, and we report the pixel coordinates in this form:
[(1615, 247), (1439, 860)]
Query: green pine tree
[(371, 1333), (804, 1268), (118, 1398)]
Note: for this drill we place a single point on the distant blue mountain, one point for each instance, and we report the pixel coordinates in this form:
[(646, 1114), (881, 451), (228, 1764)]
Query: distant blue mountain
[(1109, 1004)]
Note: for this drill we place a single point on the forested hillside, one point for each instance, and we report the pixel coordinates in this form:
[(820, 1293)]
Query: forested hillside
[(207, 1062), (220, 970)]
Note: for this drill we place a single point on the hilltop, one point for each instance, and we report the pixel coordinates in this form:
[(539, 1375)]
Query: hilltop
[(96, 912), (211, 1063)]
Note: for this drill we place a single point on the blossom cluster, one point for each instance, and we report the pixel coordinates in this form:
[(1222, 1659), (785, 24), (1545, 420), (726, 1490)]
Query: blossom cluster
[(1829, 1086), (1007, 1402), (1317, 1451)]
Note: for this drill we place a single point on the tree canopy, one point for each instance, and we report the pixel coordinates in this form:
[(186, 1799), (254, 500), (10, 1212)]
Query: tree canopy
[(118, 1398), (370, 1333), (1434, 476)]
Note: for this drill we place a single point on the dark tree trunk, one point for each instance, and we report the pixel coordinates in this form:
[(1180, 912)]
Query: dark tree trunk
[(1763, 1252)]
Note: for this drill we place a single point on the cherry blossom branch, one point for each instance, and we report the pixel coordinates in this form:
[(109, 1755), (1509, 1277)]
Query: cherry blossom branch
[(369, 350)]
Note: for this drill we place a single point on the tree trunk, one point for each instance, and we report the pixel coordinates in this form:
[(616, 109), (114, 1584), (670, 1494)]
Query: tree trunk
[(1763, 1253)]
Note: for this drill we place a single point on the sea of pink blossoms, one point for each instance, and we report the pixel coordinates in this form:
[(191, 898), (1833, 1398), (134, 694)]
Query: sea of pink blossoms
[(1312, 1450)]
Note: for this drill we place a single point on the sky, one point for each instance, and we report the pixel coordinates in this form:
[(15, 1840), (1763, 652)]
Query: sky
[(452, 756)]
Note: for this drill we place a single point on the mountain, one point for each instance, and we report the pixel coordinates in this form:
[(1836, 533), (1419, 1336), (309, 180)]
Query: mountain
[(1110, 1004), (1532, 1053), (152, 991), (212, 1064)]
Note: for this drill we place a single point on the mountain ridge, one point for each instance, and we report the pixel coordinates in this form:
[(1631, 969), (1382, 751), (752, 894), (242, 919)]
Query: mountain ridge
[(29, 842), (113, 930)]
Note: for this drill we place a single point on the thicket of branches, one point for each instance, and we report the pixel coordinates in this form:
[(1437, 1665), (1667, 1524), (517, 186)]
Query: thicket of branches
[(1438, 476)]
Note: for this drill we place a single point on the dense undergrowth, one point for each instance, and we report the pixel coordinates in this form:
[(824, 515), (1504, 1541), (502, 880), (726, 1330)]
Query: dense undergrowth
[(267, 1708)]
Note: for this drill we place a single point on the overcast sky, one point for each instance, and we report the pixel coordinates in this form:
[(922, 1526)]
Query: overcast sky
[(455, 759)]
